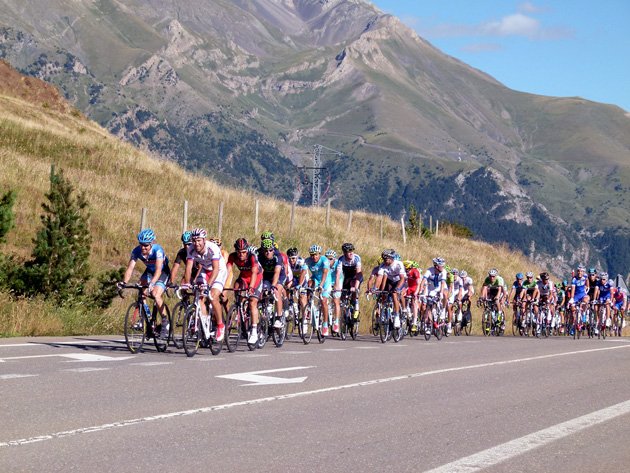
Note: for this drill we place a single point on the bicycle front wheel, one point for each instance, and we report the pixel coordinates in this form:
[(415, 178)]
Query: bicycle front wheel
[(134, 328), (383, 330), (191, 331), (233, 329), (161, 344), (277, 334), (177, 324)]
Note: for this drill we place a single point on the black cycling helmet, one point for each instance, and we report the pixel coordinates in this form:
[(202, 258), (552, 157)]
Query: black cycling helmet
[(241, 244), (292, 252), (347, 247)]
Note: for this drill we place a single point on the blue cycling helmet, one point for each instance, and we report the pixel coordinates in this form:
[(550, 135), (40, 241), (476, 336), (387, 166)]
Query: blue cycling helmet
[(146, 236), (519, 276), (331, 254), (315, 249), (186, 237)]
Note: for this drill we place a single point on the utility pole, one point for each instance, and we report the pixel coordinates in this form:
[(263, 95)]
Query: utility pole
[(317, 174)]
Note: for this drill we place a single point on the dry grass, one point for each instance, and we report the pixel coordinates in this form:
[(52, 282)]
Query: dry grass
[(119, 180)]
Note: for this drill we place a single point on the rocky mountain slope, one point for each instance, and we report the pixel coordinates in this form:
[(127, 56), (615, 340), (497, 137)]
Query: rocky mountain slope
[(242, 89)]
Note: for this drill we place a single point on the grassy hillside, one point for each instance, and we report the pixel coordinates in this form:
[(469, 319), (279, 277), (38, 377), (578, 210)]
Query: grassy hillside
[(119, 180)]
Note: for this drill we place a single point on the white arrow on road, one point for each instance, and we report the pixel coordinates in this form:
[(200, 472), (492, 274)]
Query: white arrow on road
[(254, 378), (74, 356)]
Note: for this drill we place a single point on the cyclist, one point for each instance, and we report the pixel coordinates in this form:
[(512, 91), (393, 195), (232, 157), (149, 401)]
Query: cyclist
[(456, 293), (467, 293), (335, 279), (156, 274), (351, 273), (579, 291), (250, 277), (560, 302), (274, 275), (391, 277), (434, 285), (515, 297), (319, 268), (493, 287), (413, 289), (620, 305), (544, 293), (182, 255), (603, 296), (296, 264), (213, 273)]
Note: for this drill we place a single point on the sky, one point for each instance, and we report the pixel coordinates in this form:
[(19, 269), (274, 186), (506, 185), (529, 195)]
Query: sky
[(561, 48)]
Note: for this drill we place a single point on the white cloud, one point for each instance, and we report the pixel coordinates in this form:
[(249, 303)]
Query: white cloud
[(481, 48), (516, 24)]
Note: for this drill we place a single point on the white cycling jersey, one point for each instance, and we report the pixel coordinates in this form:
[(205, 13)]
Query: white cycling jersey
[(394, 272)]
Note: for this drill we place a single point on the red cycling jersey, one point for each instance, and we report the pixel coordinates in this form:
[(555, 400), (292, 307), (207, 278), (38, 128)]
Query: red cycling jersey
[(246, 268)]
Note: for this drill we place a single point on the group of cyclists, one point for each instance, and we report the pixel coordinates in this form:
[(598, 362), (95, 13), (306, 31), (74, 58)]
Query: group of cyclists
[(414, 293)]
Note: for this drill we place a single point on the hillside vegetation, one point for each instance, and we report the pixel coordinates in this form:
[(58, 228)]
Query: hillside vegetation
[(119, 180)]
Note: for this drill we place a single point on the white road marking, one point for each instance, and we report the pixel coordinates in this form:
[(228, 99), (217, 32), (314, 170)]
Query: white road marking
[(333, 349), (253, 355), (152, 363), (506, 451), (219, 407), (295, 352), (74, 356), (255, 378), (47, 344), (15, 376), (87, 369), (366, 348)]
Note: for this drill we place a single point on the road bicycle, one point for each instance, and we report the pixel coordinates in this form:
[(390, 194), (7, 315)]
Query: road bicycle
[(311, 318), (268, 318), (348, 324), (141, 321), (198, 330), (435, 323), (457, 318), (292, 317), (239, 322), (492, 319), (466, 316)]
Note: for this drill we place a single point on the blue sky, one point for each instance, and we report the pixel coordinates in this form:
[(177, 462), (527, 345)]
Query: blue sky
[(560, 48)]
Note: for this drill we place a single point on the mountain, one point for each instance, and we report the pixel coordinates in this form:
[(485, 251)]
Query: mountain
[(242, 90)]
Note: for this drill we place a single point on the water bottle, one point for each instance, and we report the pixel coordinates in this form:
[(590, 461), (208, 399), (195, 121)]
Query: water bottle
[(205, 323)]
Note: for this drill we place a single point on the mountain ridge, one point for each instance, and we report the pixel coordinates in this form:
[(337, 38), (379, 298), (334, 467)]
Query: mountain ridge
[(284, 75)]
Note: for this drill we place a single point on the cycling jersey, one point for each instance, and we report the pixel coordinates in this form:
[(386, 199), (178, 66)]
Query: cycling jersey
[(467, 283), (518, 289), (498, 282), (605, 290), (317, 268), (529, 286), (349, 267), (545, 290), (457, 284), (413, 280), (156, 253), (580, 288), (246, 267), (210, 253), (394, 272), (435, 278), (269, 265), (297, 269)]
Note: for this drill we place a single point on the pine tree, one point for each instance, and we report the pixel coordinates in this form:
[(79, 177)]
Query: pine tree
[(414, 221), (7, 217), (59, 266)]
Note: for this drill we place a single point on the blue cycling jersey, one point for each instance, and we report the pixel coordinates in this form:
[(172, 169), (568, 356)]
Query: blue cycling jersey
[(157, 252), (605, 289), (317, 268), (332, 274), (580, 287)]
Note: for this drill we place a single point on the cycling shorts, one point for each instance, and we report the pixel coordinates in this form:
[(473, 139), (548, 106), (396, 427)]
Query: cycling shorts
[(219, 282), (326, 287), (243, 283), (161, 282), (618, 305), (604, 299), (579, 298)]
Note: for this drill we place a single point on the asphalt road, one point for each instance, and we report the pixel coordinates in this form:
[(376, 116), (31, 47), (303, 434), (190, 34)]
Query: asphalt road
[(460, 404)]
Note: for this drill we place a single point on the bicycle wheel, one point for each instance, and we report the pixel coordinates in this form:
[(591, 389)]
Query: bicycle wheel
[(263, 331), (375, 320), (191, 331), (160, 343), (277, 334), (468, 327), (427, 328), (399, 333), (485, 324), (305, 326), (383, 330), (343, 324), (233, 329), (289, 324), (134, 328), (179, 312)]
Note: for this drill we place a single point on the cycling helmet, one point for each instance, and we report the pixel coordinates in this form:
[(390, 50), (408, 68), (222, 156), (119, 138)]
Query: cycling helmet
[(544, 275), (455, 271), (603, 276), (519, 276), (252, 250), (315, 249), (408, 264), (292, 252), (331, 254), (493, 272), (565, 283), (186, 237), (146, 236), (241, 244), (347, 247), (199, 233), (592, 271), (463, 274), (581, 267), (439, 261), (388, 254), (267, 244), (558, 285), (397, 256), (529, 274), (267, 236)]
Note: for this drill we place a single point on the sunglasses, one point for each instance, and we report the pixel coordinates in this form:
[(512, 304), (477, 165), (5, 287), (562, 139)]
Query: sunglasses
[(145, 245)]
